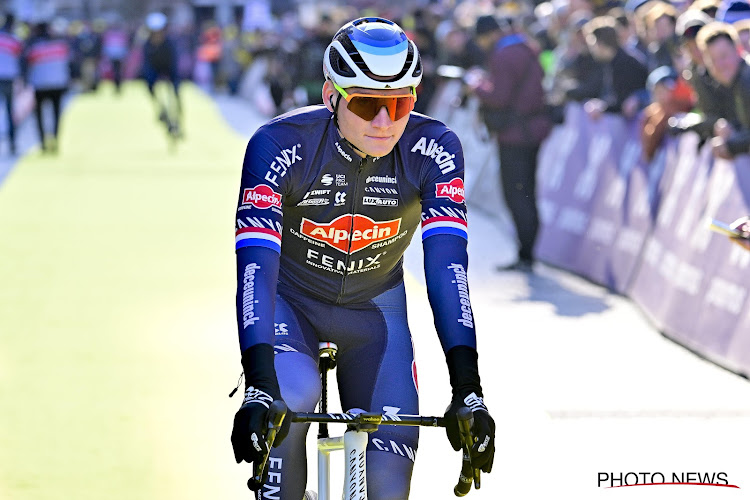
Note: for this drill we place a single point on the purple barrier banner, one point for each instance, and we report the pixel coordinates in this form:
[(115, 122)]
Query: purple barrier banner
[(642, 229), (597, 198), (694, 281)]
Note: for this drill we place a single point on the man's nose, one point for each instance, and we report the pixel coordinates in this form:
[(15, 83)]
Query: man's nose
[(382, 119)]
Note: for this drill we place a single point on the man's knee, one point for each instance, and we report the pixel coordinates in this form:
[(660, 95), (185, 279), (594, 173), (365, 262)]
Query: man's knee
[(390, 477), (299, 380)]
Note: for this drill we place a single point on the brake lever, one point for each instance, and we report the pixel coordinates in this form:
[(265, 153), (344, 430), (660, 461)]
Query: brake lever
[(276, 414), (469, 473)]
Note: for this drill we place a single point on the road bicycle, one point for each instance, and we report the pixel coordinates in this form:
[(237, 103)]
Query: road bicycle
[(355, 438)]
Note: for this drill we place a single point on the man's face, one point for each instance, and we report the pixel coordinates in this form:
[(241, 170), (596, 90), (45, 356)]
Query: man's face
[(690, 48), (722, 60), (599, 52), (376, 137)]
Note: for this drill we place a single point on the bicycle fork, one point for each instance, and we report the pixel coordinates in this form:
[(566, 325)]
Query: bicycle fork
[(354, 444)]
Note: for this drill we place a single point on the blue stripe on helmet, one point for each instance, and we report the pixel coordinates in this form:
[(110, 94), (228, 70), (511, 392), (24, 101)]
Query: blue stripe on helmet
[(377, 35), (368, 48)]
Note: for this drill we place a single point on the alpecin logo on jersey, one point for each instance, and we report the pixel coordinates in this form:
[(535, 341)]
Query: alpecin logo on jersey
[(350, 233), (444, 159), (261, 196), (453, 190)]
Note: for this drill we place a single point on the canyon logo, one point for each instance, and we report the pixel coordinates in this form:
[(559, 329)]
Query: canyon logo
[(350, 233), (261, 196)]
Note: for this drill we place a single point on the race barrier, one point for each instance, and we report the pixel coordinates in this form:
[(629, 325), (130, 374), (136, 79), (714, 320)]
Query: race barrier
[(640, 228)]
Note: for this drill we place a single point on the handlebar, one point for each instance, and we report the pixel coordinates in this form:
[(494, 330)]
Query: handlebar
[(369, 422)]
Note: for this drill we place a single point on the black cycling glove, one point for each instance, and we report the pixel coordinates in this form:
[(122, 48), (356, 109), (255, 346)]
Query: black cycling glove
[(250, 421), (467, 391)]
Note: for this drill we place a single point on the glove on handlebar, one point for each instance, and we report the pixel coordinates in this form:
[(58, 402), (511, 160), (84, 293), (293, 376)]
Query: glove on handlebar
[(467, 391), (250, 421)]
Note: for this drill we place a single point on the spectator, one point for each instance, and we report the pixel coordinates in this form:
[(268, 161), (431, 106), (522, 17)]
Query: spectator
[(512, 88), (743, 32), (708, 7), (743, 225), (578, 75), (622, 87), (719, 46), (732, 11), (10, 70), (660, 26), (636, 10), (115, 46), (668, 97), (46, 63), (713, 101)]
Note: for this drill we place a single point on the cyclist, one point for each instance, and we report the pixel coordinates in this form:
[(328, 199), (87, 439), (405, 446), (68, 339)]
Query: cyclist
[(160, 60), (330, 198)]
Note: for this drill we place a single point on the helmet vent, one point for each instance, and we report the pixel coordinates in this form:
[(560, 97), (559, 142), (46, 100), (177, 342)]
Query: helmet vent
[(339, 65)]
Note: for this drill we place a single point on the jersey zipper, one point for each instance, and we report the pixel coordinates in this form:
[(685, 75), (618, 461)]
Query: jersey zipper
[(348, 259)]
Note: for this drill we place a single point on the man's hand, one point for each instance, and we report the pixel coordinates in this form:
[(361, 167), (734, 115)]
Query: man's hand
[(742, 224), (630, 107), (250, 426), (720, 149), (723, 129), (482, 431), (595, 108)]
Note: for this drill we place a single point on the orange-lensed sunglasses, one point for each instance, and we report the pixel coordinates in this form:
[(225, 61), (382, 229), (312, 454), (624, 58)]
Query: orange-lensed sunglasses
[(367, 106)]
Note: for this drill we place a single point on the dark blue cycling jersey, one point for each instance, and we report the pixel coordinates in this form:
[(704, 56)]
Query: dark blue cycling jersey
[(316, 219)]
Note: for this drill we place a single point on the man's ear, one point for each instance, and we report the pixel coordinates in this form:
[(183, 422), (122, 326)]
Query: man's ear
[(328, 95)]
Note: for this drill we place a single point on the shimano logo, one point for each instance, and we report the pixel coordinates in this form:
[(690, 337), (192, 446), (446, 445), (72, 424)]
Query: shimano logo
[(326, 180), (443, 158), (462, 284), (248, 295), (384, 179), (343, 153)]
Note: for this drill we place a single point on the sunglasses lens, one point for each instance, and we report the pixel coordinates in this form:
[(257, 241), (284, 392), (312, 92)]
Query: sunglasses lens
[(367, 108)]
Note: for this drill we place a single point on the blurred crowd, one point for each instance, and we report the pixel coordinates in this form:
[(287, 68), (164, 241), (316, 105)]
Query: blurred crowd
[(673, 65)]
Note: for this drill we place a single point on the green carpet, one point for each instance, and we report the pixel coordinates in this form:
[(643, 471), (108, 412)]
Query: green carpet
[(117, 337)]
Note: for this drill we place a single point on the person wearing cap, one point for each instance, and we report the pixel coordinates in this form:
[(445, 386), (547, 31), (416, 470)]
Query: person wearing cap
[(719, 45), (732, 11), (668, 98), (330, 197), (713, 101), (513, 99)]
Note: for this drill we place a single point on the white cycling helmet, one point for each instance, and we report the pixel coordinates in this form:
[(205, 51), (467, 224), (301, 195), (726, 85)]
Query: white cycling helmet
[(156, 21), (372, 53)]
